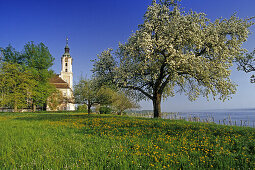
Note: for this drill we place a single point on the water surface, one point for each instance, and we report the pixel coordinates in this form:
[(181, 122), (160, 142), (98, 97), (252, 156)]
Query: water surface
[(244, 117)]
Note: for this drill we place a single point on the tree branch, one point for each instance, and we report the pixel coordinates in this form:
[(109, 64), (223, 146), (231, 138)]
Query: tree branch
[(139, 89), (164, 84), (161, 75)]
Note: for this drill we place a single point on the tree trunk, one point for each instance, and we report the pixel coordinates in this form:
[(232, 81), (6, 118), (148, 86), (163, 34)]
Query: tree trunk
[(34, 108), (15, 108), (15, 105), (157, 105), (89, 108), (45, 106)]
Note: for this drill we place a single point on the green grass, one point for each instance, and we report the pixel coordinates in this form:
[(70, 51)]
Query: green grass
[(75, 140)]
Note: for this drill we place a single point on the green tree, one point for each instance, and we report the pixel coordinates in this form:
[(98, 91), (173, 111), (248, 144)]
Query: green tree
[(38, 58), (176, 51), (16, 86)]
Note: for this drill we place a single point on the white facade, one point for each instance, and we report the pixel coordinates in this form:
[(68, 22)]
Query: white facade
[(67, 93)]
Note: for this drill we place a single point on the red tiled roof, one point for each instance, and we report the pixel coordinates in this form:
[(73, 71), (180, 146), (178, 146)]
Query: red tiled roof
[(59, 82)]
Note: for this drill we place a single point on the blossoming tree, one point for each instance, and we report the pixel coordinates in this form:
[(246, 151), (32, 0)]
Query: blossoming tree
[(176, 51)]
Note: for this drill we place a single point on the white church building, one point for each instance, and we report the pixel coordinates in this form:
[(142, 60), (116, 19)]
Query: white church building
[(64, 81)]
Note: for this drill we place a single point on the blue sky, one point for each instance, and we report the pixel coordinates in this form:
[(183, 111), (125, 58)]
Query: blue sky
[(93, 26)]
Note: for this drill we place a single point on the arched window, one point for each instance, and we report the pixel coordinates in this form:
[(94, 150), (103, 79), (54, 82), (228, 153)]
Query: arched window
[(66, 64), (66, 70)]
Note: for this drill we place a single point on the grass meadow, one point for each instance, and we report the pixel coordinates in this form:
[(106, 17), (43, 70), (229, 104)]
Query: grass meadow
[(82, 141)]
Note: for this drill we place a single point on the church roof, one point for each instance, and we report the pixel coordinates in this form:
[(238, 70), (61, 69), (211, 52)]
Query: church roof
[(59, 82)]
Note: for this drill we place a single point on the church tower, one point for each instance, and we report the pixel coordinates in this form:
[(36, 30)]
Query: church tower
[(66, 71), (64, 83)]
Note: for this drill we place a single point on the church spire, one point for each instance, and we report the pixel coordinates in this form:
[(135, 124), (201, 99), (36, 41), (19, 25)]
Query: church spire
[(67, 47), (66, 71)]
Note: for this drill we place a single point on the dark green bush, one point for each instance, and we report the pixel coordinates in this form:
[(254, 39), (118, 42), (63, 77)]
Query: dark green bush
[(83, 108), (105, 110)]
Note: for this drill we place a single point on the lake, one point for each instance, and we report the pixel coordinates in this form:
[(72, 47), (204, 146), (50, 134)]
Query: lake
[(239, 117)]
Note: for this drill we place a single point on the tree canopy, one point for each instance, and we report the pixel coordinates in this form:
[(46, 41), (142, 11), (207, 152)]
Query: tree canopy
[(175, 51), (10, 55), (37, 56)]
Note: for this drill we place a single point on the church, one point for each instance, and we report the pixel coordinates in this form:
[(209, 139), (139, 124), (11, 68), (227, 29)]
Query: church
[(64, 81)]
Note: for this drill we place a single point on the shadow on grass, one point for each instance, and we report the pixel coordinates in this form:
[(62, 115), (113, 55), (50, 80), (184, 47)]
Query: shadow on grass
[(178, 125), (149, 126), (123, 128)]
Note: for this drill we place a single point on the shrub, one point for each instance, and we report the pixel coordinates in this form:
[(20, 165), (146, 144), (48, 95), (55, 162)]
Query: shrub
[(83, 108), (105, 110)]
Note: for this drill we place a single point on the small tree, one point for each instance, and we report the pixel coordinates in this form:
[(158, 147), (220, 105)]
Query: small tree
[(120, 102), (175, 51), (115, 99), (85, 93)]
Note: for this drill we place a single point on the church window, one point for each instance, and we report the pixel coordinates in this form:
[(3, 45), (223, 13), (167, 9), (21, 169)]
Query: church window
[(66, 70), (66, 64)]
